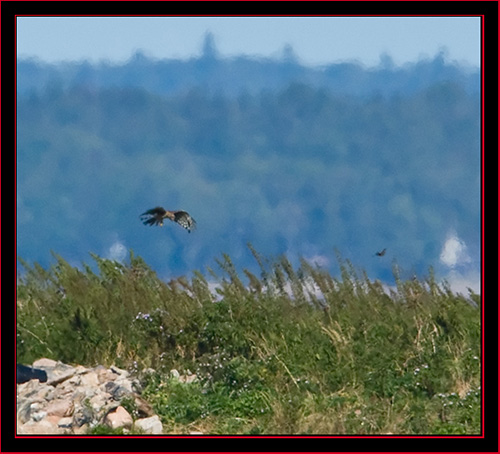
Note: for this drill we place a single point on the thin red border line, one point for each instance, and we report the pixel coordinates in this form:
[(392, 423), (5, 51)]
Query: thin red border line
[(15, 222), (482, 435), (263, 437), (251, 15), (482, 225)]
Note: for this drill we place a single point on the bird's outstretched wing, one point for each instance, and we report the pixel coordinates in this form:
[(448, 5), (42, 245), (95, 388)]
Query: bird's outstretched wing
[(154, 216), (381, 253), (184, 219)]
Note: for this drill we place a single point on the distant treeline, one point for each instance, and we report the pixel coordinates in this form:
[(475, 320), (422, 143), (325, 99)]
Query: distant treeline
[(233, 76)]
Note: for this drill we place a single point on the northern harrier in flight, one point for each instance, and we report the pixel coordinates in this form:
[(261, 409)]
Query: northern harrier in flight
[(155, 216)]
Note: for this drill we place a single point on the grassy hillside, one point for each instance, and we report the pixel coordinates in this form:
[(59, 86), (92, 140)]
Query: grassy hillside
[(292, 350)]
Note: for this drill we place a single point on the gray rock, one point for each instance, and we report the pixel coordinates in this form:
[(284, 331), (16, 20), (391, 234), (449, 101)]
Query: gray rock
[(65, 423), (151, 425), (83, 415), (44, 362), (116, 390)]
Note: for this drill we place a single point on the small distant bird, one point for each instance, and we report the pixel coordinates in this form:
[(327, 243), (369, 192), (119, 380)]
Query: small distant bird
[(155, 216), (381, 253)]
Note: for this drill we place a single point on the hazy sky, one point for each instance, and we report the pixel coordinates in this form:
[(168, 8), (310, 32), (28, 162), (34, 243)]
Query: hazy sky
[(315, 40)]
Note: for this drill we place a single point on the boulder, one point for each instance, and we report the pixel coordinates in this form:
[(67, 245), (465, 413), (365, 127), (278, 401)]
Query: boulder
[(118, 418), (27, 373), (151, 425)]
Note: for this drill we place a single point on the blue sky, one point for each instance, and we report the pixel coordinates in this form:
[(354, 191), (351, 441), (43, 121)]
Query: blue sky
[(315, 40)]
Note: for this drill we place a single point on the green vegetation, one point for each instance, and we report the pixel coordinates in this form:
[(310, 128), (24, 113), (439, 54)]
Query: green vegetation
[(293, 350)]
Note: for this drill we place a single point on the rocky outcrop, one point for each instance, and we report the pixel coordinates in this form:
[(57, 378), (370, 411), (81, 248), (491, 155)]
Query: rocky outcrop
[(74, 399)]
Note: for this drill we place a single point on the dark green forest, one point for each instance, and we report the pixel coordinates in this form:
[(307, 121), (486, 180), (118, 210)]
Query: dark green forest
[(295, 160)]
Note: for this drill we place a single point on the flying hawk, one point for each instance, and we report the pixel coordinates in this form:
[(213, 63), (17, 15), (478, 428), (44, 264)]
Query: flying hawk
[(155, 216), (381, 253)]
